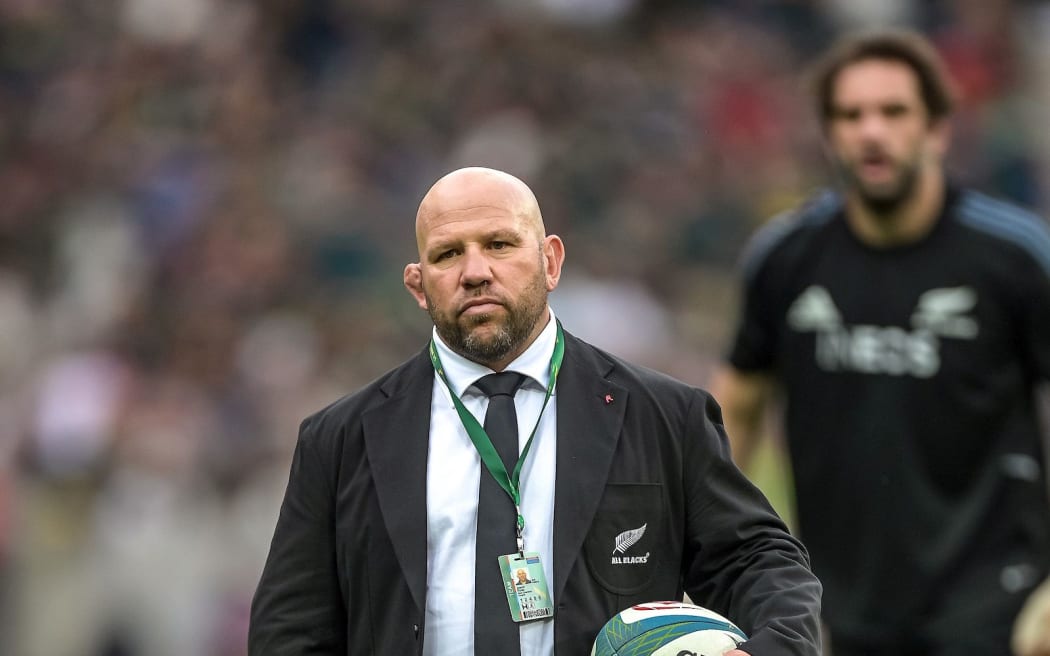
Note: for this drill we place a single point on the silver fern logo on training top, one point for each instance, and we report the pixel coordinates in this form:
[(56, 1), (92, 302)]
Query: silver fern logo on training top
[(942, 312), (625, 541)]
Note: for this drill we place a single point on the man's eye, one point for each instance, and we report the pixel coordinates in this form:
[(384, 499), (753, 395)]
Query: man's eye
[(499, 245), (444, 255)]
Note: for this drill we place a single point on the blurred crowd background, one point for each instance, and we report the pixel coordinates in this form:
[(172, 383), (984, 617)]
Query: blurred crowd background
[(206, 205)]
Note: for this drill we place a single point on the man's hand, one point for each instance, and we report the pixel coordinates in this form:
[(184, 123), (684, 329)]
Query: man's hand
[(1032, 629), (736, 652)]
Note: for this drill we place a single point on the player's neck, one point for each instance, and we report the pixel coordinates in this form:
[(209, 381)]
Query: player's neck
[(909, 222)]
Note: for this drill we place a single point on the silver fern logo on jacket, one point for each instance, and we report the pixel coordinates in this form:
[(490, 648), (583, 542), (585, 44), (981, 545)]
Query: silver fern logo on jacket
[(625, 541)]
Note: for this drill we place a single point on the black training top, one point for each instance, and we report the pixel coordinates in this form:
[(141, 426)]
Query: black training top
[(908, 376)]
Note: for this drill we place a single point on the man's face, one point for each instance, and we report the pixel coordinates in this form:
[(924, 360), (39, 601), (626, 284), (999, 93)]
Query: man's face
[(879, 133), (484, 279)]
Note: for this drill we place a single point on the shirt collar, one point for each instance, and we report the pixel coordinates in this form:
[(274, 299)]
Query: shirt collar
[(534, 362)]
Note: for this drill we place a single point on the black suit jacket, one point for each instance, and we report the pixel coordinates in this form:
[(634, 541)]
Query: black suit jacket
[(346, 573)]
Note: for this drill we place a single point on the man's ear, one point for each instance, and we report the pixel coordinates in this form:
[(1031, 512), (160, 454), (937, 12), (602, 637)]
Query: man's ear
[(414, 284), (553, 258)]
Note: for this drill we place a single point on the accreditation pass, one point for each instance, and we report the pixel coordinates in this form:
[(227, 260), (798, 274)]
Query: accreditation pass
[(526, 586)]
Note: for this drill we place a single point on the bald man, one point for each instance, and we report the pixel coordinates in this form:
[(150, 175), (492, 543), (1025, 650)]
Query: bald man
[(404, 523)]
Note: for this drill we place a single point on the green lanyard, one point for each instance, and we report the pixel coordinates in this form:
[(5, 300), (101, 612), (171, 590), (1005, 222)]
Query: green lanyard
[(489, 457)]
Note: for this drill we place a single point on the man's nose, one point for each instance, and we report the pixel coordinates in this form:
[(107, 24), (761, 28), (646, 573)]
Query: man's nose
[(872, 125), (476, 268)]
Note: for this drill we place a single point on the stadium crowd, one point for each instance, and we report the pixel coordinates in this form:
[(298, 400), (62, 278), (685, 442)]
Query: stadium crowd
[(202, 206)]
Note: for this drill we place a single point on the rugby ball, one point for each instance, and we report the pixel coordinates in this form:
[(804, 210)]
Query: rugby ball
[(667, 628)]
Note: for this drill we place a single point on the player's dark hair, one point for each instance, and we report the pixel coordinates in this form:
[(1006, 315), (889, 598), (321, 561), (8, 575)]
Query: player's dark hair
[(904, 46)]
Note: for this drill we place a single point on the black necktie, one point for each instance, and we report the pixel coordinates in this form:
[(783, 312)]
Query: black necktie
[(495, 633)]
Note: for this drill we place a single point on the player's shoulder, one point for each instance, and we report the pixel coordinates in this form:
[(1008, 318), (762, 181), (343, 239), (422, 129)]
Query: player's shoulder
[(790, 230), (1006, 225)]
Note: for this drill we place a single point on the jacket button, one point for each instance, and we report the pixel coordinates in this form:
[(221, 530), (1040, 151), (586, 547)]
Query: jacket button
[(415, 630)]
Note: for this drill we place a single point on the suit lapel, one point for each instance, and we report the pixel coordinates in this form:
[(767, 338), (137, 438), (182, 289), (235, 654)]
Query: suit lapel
[(397, 435), (590, 417)]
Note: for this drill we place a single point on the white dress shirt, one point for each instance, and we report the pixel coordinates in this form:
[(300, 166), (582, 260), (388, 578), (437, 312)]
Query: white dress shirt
[(453, 476)]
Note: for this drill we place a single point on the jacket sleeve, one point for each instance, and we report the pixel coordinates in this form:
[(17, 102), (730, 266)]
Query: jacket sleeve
[(740, 558), (298, 607)]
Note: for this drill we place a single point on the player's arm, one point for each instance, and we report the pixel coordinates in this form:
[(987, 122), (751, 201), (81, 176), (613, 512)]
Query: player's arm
[(744, 397), (1031, 632), (1032, 629)]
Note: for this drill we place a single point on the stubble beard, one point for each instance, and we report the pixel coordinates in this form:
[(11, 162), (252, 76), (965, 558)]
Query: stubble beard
[(885, 201), (461, 334)]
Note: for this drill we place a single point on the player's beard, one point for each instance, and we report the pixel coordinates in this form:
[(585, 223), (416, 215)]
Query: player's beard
[(883, 199), (461, 335)]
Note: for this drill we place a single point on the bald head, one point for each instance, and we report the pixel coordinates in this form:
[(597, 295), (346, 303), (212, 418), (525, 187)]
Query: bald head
[(485, 264), (475, 189)]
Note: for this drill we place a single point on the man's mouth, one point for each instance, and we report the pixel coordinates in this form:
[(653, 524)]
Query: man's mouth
[(876, 166), (476, 306)]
